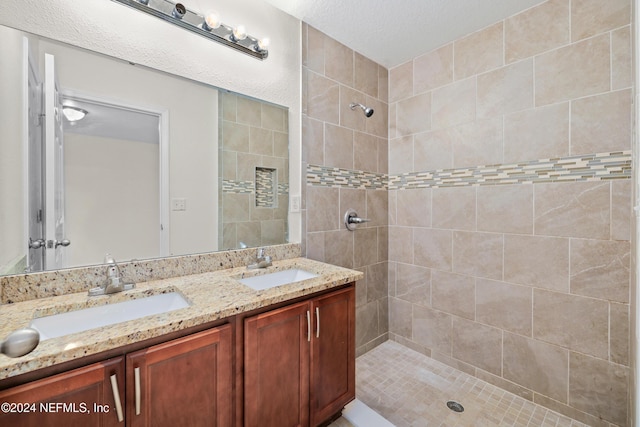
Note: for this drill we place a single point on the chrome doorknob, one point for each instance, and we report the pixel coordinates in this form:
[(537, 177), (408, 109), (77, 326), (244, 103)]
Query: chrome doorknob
[(63, 242), (36, 244)]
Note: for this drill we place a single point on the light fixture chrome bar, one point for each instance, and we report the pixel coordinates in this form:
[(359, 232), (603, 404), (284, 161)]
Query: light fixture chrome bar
[(191, 21)]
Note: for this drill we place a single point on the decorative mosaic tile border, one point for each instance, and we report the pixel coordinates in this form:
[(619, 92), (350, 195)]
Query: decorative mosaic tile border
[(591, 167), (336, 177), (248, 187)]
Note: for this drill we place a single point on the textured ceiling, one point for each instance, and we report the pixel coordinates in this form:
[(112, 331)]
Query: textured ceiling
[(391, 32)]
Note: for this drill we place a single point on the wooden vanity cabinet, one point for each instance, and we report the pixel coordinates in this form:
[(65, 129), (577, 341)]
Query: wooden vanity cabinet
[(187, 382), (299, 362), (81, 397)]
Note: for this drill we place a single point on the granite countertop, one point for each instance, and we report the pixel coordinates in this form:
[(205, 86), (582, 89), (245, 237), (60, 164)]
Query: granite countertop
[(213, 296)]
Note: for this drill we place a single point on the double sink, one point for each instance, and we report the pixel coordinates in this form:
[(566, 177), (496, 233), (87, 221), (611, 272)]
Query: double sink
[(62, 324)]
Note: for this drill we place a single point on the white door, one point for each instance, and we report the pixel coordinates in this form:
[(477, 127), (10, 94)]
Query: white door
[(35, 155), (54, 169)]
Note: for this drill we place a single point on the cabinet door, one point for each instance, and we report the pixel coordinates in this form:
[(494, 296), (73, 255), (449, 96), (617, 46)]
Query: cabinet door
[(82, 397), (333, 378), (276, 368), (185, 382)]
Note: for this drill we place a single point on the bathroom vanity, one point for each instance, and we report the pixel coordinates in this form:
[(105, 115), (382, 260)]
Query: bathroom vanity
[(283, 356)]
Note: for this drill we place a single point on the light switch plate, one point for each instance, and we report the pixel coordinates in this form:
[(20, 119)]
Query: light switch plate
[(178, 204), (295, 204)]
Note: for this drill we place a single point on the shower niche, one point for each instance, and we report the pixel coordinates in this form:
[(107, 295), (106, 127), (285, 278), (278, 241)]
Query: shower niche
[(266, 187)]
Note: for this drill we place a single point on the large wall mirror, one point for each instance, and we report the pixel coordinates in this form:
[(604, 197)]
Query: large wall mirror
[(99, 155)]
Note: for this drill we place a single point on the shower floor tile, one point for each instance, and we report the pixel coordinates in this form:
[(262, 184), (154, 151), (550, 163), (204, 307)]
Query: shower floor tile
[(411, 390)]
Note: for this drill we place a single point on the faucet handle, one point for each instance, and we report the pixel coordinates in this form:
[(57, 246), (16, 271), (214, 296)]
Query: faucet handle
[(260, 252)]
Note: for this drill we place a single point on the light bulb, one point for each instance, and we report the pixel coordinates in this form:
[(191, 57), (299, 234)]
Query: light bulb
[(211, 20), (239, 33), (263, 44)]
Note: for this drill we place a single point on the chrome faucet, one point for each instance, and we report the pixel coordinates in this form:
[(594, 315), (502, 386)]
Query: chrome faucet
[(113, 282), (262, 260)]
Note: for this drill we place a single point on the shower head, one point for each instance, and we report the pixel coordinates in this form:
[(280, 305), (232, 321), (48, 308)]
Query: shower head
[(367, 111)]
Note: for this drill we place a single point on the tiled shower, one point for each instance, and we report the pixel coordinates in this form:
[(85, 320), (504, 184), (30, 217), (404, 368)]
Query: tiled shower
[(496, 172)]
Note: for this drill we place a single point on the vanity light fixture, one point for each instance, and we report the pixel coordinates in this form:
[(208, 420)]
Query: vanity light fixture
[(208, 26)]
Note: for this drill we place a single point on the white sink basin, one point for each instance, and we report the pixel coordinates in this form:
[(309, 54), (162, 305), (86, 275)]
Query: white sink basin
[(58, 325), (266, 281)]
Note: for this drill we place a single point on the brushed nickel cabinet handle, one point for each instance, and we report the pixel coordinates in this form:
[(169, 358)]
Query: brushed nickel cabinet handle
[(308, 326), (136, 374), (116, 397), (317, 322)]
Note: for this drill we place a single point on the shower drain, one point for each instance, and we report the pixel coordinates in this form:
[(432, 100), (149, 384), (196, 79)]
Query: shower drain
[(455, 406)]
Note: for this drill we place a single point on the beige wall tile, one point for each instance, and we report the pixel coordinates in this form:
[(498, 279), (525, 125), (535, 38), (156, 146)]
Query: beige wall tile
[(523, 34), (248, 111), (432, 329), (413, 207), (601, 123), (247, 166), (338, 63), (261, 141), (479, 52), (322, 209), (338, 146), (539, 133), (580, 69), (454, 208), (620, 337), (365, 152), (338, 248), (621, 209), (377, 281), (383, 243), (400, 317), (433, 69), (477, 143), (590, 17), (229, 164), (366, 247), (506, 89), (537, 261), (600, 269), (314, 49), (478, 254), (413, 284), (505, 209), (621, 59), (236, 137), (274, 117), (571, 321), (383, 83), (383, 155), (367, 324), (504, 305), (432, 248), (478, 345), (598, 387), (454, 104), (315, 247), (578, 209), (323, 97), (432, 150), (401, 244), (541, 367), (377, 208), (401, 82), (400, 153), (236, 206), (366, 75), (453, 293), (413, 114)]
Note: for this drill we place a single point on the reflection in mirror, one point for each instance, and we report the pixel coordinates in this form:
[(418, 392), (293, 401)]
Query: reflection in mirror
[(159, 165)]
